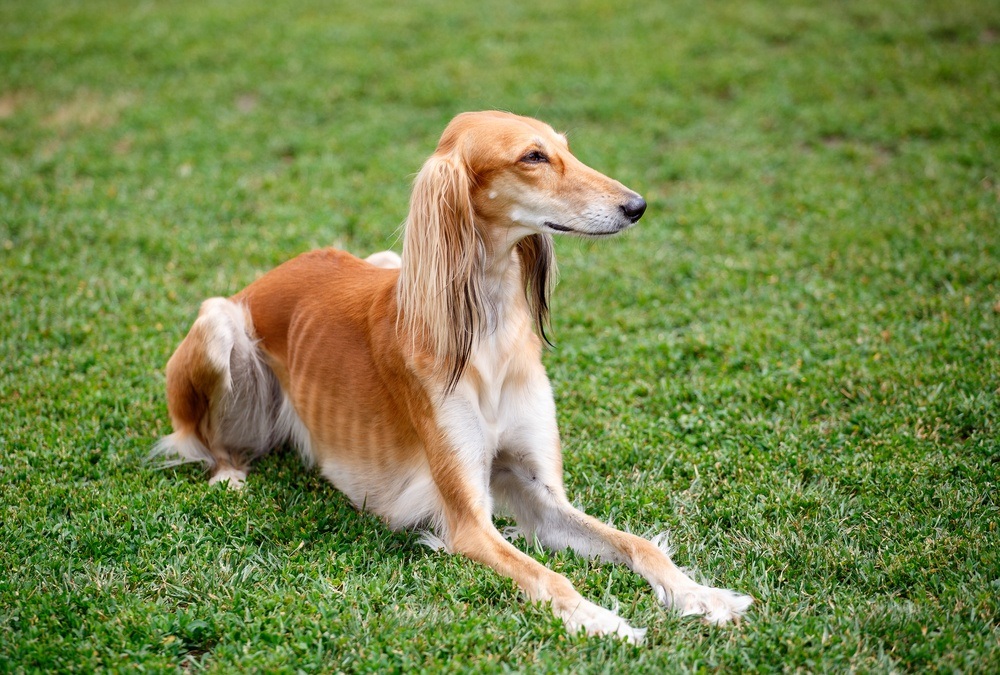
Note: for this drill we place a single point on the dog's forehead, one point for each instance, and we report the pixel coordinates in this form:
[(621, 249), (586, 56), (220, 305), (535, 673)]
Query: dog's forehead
[(482, 128), (535, 131)]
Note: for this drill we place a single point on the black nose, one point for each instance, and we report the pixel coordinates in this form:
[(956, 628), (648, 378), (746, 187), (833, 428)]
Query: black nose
[(634, 208)]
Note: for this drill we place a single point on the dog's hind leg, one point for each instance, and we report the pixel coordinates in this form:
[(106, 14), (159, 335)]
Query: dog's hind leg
[(225, 402)]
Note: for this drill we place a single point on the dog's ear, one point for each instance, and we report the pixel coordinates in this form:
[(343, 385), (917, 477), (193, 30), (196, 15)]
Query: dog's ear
[(538, 272), (443, 254)]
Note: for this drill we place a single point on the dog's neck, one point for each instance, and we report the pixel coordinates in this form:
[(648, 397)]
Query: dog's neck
[(496, 288), (502, 286)]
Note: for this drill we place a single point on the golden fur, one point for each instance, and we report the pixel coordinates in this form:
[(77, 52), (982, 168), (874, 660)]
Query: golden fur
[(416, 385)]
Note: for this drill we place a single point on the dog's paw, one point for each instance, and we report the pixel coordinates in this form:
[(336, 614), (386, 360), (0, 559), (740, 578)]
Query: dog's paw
[(233, 478), (596, 620), (714, 605)]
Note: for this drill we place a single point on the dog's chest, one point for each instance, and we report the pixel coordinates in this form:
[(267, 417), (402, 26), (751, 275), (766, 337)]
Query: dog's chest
[(497, 369), (490, 398)]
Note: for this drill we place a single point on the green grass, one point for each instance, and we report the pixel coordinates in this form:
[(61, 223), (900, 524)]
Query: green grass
[(792, 364)]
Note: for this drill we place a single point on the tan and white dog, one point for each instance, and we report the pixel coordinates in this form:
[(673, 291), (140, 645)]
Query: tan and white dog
[(416, 384)]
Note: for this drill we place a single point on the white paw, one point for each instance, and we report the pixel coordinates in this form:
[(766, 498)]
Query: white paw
[(386, 259), (596, 620), (234, 478), (714, 605)]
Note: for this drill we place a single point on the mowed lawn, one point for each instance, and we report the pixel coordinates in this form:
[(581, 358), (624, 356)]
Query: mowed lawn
[(792, 364)]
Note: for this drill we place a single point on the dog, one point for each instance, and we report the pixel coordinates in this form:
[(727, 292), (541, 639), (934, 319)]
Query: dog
[(415, 383)]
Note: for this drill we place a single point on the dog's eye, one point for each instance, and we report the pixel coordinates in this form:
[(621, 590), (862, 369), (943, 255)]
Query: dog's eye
[(535, 157)]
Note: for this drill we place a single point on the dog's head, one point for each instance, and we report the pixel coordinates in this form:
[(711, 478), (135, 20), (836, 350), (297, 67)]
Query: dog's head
[(523, 177), (497, 183)]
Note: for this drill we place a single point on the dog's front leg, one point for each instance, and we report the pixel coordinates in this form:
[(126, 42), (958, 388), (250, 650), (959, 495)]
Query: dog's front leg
[(526, 481), (544, 512), (477, 538), (460, 468)]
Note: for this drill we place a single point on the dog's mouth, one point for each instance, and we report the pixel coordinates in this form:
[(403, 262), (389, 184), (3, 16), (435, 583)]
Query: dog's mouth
[(601, 224), (556, 227)]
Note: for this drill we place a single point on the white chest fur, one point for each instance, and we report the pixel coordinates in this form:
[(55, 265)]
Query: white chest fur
[(503, 403)]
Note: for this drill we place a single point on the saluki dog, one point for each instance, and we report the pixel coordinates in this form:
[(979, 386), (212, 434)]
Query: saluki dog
[(415, 383)]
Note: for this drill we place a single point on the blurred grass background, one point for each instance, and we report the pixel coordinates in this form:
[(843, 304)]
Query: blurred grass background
[(791, 364)]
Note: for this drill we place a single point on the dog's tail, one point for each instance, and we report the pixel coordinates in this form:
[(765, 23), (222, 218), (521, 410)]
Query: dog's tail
[(179, 447)]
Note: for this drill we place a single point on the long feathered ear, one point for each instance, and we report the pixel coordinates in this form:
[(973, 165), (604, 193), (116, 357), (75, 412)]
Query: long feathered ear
[(538, 272), (440, 283)]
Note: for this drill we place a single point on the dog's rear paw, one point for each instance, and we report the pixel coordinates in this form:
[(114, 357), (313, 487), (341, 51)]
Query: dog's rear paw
[(714, 605), (233, 478)]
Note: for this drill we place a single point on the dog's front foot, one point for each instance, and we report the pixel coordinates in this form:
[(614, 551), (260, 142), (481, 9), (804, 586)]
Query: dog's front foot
[(714, 605), (596, 620)]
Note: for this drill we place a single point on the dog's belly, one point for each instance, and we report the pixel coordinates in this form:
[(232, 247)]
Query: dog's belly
[(404, 495)]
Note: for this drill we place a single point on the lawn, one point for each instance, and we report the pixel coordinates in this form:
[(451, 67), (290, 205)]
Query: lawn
[(792, 364)]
